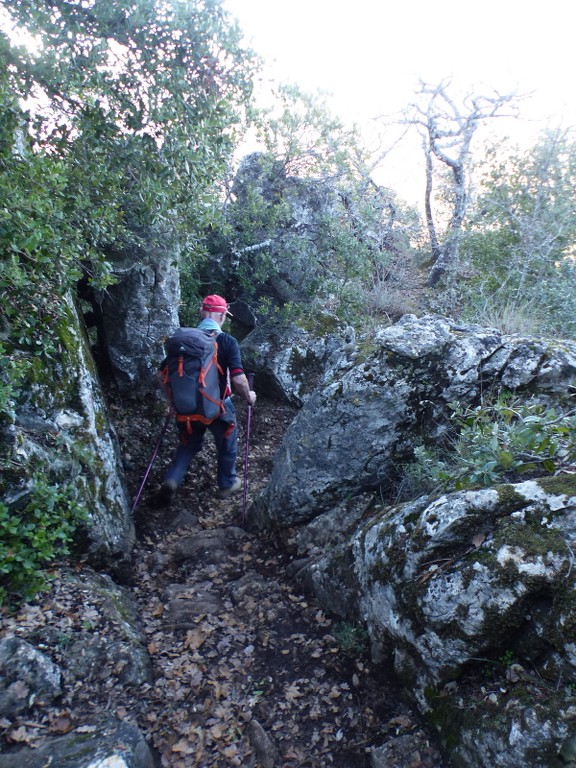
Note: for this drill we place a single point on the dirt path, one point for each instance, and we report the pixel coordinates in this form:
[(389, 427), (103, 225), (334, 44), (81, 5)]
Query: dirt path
[(248, 670)]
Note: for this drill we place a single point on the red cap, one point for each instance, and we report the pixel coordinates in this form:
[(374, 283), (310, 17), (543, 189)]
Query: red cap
[(215, 303)]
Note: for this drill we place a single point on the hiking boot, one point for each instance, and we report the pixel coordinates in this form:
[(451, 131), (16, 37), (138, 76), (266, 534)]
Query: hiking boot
[(224, 493), (167, 491)]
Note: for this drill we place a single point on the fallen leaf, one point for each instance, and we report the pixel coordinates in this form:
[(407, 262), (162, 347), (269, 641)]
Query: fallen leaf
[(20, 735), (402, 721), (183, 747), (195, 638), (217, 731), (61, 724), (154, 648), (293, 692), (321, 619)]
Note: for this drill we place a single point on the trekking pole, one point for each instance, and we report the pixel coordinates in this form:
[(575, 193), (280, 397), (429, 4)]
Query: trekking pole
[(246, 452), (156, 449)]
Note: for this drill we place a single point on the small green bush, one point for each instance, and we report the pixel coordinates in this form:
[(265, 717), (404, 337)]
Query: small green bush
[(35, 535), (352, 637), (493, 443)]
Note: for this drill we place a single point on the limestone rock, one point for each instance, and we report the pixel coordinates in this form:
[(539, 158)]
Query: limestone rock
[(138, 312), (290, 362), (112, 744), (27, 677), (64, 432), (368, 414)]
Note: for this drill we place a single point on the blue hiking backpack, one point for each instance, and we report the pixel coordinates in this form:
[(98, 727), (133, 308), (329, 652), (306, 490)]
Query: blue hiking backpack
[(190, 375)]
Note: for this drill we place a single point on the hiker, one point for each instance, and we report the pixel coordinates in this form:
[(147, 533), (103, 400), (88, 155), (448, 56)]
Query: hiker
[(214, 312)]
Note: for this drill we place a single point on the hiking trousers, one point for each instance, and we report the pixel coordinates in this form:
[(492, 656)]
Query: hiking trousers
[(225, 432)]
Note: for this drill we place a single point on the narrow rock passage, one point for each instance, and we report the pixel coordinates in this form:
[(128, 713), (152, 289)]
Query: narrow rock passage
[(247, 669)]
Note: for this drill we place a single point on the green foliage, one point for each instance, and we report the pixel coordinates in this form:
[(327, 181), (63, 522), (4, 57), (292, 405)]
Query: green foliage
[(352, 637), (131, 110), (305, 138), (507, 658), (11, 374), (32, 230), (33, 534), (521, 240), (253, 220), (496, 442), (352, 228)]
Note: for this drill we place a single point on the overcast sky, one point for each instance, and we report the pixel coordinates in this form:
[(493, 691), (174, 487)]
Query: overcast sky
[(369, 54)]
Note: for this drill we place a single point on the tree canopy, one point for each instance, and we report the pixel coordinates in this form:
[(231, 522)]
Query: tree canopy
[(117, 119), (520, 237), (447, 126), (145, 98)]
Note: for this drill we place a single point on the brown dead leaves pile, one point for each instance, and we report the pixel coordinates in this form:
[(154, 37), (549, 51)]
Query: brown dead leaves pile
[(246, 669)]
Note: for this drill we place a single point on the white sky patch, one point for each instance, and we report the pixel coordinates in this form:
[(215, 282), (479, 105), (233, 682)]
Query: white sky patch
[(370, 56), (17, 34)]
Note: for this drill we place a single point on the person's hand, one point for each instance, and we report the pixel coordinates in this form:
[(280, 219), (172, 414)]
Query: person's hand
[(252, 397)]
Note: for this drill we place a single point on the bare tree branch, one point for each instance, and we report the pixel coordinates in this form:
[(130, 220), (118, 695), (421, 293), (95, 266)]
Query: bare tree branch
[(447, 130)]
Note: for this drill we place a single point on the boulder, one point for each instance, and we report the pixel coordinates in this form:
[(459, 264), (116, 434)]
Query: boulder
[(470, 595), (108, 743), (291, 361), (64, 432), (383, 394), (450, 580), (27, 677), (107, 643), (137, 313), (100, 647), (282, 228)]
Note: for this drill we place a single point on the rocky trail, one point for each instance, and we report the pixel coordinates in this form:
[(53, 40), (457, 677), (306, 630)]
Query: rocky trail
[(247, 670)]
